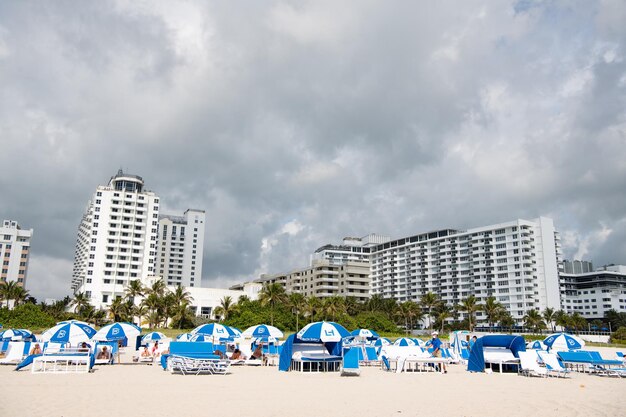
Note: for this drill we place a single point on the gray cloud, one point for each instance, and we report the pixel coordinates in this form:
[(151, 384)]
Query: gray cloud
[(294, 124)]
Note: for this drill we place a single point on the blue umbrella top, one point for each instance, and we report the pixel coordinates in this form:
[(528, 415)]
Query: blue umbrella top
[(118, 331), (216, 330), (16, 334), (322, 331), (365, 333), (152, 336), (564, 341)]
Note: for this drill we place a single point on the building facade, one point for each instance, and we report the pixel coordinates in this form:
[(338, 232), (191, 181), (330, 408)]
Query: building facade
[(324, 279), (180, 248), (353, 249), (592, 294), (14, 252), (516, 262), (117, 239)]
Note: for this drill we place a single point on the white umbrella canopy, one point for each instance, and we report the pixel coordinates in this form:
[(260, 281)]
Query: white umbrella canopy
[(69, 332), (117, 331), (564, 341), (262, 331), (323, 331)]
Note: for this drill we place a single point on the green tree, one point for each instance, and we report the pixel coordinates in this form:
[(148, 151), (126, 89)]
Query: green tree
[(441, 313), (561, 318), (297, 302), (506, 319), (134, 290), (272, 294), (80, 302), (533, 320), (333, 307), (313, 307), (429, 301), (470, 306), (549, 315), (226, 307), (493, 309)]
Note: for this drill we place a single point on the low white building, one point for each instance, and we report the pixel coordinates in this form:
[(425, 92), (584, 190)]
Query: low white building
[(592, 294), (206, 300)]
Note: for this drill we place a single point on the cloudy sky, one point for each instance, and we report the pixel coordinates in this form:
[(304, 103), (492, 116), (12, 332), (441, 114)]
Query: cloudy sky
[(295, 123)]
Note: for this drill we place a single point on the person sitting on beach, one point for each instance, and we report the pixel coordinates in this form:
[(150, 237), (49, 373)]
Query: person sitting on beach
[(219, 353), (146, 353), (436, 344), (104, 353), (258, 353), (84, 347), (237, 355), (36, 350), (155, 349)]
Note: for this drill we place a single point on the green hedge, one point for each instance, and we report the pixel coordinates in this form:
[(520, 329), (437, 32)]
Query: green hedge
[(26, 316)]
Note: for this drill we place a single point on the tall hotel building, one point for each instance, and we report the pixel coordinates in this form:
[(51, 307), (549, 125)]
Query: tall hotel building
[(180, 248), (14, 252), (515, 262), (117, 239)]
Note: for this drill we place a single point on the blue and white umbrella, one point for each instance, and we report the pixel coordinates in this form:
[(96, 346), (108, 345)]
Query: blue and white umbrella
[(365, 334), (117, 331), (216, 331), (418, 342), (404, 341), (152, 337), (383, 341), (17, 335), (184, 337), (537, 345), (322, 331), (563, 341), (69, 332), (201, 338), (262, 331)]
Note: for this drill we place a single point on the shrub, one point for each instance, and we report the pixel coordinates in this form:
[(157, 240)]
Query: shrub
[(26, 316), (618, 335)]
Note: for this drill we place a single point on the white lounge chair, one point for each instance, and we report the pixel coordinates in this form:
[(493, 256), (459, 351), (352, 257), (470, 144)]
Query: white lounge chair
[(529, 365), (553, 365), (14, 353)]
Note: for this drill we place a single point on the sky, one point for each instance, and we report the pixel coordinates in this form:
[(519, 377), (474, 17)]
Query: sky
[(297, 123)]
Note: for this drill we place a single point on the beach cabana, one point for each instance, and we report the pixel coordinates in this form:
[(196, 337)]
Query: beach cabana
[(317, 347), (459, 342), (495, 349)]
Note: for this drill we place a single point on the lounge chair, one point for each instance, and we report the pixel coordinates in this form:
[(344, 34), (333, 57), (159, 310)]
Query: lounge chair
[(350, 363), (15, 353), (529, 365), (372, 356), (553, 365)]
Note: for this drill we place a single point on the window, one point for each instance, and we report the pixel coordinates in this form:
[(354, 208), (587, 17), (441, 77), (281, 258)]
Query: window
[(105, 298)]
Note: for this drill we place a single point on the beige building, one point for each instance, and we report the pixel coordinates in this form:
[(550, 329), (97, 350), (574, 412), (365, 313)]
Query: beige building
[(324, 279)]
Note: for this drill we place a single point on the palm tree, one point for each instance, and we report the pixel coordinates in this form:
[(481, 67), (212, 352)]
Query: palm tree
[(243, 300), (271, 294), (79, 302), (226, 307), (375, 303), (493, 309), (470, 307), (181, 296), (443, 312), (158, 287), (313, 306), (533, 320), (154, 306), (297, 302), (561, 318), (9, 291), (403, 311), (117, 309), (182, 315), (353, 307), (549, 316), (334, 306), (506, 319), (429, 301), (134, 290)]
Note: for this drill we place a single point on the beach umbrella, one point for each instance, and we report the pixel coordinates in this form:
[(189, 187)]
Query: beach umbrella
[(216, 331), (117, 331), (418, 342), (152, 337), (17, 335), (262, 331), (365, 334), (184, 337), (201, 338), (563, 341), (404, 341), (383, 341), (536, 344), (322, 331), (69, 332)]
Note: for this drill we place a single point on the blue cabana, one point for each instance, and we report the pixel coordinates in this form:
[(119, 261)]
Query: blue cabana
[(476, 362), (284, 361)]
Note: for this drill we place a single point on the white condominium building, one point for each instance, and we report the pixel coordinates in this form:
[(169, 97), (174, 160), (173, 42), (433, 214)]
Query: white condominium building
[(593, 293), (352, 249), (117, 239), (516, 262), (14, 252), (180, 248)]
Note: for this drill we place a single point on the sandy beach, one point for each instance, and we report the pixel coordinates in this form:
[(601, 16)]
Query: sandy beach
[(145, 390)]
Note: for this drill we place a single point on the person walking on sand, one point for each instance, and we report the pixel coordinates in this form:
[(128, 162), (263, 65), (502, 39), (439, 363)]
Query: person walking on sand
[(436, 344)]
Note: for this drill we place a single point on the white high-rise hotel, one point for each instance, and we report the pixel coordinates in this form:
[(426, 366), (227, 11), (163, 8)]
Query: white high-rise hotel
[(117, 239), (14, 252), (180, 248), (516, 262)]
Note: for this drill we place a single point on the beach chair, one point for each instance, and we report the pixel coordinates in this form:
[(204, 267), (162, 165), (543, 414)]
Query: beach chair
[(553, 365), (14, 353), (371, 356), (350, 363), (529, 365), (385, 365)]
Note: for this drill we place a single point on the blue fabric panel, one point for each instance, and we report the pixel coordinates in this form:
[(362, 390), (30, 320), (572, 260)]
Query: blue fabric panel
[(284, 360)]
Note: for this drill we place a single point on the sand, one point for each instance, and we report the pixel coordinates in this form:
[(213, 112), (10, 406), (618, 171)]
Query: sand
[(145, 390)]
